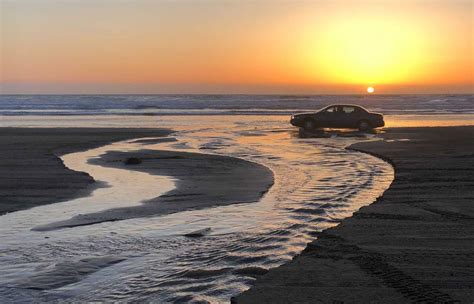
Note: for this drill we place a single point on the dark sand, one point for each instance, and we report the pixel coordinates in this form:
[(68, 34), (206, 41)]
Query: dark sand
[(203, 181), (415, 244), (32, 174)]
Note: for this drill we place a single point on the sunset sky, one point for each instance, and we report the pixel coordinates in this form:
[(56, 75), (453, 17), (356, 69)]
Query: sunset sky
[(224, 46)]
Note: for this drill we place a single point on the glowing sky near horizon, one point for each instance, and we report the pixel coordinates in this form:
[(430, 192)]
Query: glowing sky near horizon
[(260, 46)]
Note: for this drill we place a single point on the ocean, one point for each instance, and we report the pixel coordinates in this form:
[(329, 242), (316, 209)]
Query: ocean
[(227, 104)]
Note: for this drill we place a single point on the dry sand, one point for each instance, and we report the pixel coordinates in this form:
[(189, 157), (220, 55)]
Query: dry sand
[(32, 174), (415, 244), (203, 181)]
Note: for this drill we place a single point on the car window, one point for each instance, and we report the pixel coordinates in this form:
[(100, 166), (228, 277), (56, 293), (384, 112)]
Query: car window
[(330, 110), (348, 110)]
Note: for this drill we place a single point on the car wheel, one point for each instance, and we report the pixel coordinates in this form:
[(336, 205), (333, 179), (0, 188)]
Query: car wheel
[(309, 125), (363, 125)]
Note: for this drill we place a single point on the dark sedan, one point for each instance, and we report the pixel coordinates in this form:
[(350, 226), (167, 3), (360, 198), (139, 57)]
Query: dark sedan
[(339, 116)]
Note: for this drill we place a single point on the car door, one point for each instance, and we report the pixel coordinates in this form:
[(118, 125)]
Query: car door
[(348, 117), (327, 117)]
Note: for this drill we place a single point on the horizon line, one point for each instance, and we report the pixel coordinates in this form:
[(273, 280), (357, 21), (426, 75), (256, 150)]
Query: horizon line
[(230, 94)]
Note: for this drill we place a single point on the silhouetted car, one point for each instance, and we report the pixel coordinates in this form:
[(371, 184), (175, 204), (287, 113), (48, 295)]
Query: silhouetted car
[(339, 116)]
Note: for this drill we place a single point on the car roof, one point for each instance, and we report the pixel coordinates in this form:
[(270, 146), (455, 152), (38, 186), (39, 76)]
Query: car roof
[(344, 105)]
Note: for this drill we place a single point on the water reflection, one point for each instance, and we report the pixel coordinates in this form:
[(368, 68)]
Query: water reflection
[(317, 184)]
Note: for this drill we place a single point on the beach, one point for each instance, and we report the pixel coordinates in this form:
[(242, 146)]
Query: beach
[(118, 204), (414, 244), (31, 171), (256, 191)]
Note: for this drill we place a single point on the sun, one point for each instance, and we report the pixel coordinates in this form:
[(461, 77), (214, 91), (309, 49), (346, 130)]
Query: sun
[(370, 90)]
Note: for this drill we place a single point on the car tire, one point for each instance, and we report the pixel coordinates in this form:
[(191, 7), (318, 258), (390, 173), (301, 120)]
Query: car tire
[(309, 125), (363, 125)]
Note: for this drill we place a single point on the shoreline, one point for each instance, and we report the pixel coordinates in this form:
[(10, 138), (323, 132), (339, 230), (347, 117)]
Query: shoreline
[(414, 243), (32, 172)]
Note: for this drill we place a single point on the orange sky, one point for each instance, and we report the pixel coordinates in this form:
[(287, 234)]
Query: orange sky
[(259, 46)]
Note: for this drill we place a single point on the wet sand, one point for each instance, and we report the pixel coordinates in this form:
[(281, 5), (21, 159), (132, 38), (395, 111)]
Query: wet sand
[(203, 181), (161, 264), (414, 244), (32, 174)]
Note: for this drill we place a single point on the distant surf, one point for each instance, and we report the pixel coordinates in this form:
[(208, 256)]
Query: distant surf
[(226, 104)]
